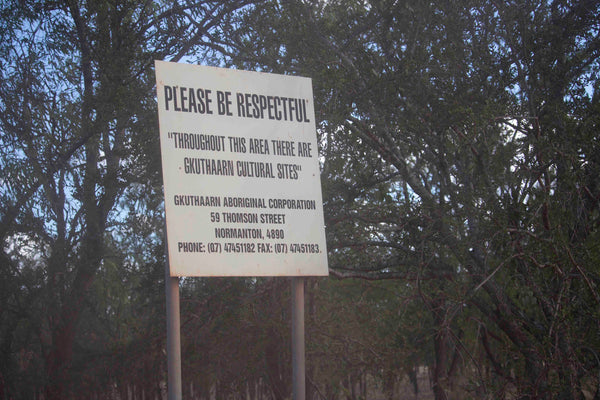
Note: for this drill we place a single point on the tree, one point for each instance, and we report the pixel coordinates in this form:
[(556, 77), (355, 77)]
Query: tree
[(461, 157), (76, 121)]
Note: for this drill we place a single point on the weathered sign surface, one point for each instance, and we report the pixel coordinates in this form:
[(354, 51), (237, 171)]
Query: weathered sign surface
[(241, 173)]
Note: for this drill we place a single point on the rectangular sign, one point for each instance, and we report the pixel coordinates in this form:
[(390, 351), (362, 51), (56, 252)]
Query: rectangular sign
[(241, 173)]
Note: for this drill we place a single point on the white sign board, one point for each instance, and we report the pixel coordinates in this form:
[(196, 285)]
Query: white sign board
[(241, 173)]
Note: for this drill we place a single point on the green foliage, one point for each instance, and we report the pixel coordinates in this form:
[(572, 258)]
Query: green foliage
[(460, 146), (461, 167), (80, 206)]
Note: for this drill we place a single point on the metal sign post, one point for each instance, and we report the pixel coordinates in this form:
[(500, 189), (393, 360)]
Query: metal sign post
[(298, 351), (173, 333), (173, 338)]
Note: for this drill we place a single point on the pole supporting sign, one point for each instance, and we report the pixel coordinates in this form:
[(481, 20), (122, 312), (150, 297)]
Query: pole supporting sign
[(241, 173)]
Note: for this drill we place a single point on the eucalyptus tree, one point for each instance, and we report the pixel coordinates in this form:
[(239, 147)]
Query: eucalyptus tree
[(460, 157), (78, 145)]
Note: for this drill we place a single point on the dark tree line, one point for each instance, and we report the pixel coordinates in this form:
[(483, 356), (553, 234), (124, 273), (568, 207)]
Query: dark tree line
[(460, 145), (461, 182), (79, 154)]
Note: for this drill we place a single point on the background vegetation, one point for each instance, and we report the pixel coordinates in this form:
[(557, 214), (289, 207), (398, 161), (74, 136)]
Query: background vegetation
[(461, 180)]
